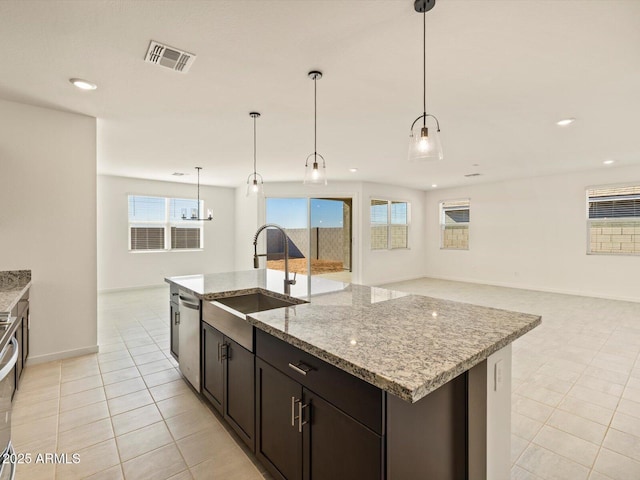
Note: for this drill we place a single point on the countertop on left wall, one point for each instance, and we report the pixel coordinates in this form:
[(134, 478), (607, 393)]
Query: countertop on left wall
[(13, 285)]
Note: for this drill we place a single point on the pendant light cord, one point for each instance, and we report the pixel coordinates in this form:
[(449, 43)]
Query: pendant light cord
[(198, 168), (315, 118), (254, 147), (424, 67)]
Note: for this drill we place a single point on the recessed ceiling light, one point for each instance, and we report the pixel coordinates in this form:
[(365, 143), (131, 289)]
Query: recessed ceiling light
[(608, 162), (565, 121), (353, 170), (434, 185), (83, 84)]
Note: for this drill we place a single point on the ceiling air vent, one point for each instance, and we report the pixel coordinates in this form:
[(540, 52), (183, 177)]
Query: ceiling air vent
[(473, 174), (169, 57)]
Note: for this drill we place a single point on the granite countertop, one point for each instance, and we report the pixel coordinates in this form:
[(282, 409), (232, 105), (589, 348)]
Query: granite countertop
[(408, 345), (13, 284)]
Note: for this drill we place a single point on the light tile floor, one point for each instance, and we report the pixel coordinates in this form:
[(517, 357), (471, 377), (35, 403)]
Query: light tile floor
[(125, 411), (576, 381), (128, 413)]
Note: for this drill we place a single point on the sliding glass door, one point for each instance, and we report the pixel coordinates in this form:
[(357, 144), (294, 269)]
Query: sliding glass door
[(319, 230)]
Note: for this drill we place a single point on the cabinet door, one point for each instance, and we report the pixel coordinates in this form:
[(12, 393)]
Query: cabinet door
[(337, 447), (212, 366), (174, 330), (278, 442), (239, 398)]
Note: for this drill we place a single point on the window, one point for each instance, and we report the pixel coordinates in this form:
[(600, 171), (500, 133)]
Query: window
[(389, 224), (454, 224), (613, 220), (158, 223)]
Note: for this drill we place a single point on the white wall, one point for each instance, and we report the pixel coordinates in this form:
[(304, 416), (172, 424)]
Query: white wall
[(384, 266), (369, 267), (249, 216), (48, 222), (531, 233), (119, 268)]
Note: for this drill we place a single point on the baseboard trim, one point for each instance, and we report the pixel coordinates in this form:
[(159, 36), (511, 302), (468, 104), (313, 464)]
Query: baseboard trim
[(129, 289), (34, 360), (536, 288), (403, 279)]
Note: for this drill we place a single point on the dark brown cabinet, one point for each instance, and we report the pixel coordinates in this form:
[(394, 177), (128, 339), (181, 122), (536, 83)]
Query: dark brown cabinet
[(278, 441), (307, 419), (300, 434), (21, 314), (212, 366), (337, 446), (228, 381)]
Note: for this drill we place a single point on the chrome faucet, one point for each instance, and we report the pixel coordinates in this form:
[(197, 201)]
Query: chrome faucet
[(256, 262)]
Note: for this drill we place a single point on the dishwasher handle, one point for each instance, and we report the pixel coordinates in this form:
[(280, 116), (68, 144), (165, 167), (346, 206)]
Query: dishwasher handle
[(189, 302), (12, 361)]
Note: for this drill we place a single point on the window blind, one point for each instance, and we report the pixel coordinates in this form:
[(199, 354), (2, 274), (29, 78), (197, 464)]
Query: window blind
[(389, 224), (613, 220), (455, 211), (182, 237), (621, 202), (147, 238), (159, 223), (454, 224), (146, 209)]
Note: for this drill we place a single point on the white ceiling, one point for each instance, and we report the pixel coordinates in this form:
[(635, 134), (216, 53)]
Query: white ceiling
[(500, 73)]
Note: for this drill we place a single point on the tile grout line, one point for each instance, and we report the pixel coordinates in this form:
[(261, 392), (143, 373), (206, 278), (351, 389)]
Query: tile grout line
[(115, 440), (615, 410), (174, 442)]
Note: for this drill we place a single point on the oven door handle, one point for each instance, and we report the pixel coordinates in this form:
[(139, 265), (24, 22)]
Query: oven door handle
[(12, 361)]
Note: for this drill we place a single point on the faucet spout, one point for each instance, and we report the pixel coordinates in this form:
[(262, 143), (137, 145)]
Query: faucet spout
[(256, 263)]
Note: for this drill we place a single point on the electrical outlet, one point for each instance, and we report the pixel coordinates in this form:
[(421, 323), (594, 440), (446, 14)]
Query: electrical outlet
[(497, 376)]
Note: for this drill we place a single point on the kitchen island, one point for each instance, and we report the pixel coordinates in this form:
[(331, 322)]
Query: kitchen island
[(350, 379), (14, 314)]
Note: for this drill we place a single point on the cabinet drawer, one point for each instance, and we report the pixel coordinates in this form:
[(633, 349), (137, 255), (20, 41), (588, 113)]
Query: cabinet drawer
[(357, 398)]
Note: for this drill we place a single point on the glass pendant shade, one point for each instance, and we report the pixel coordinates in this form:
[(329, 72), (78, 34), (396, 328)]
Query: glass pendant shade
[(424, 141), (424, 144), (254, 180), (255, 185), (315, 168), (315, 172)]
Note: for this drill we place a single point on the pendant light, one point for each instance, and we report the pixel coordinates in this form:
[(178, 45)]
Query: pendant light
[(424, 144), (195, 213), (254, 180), (314, 172)]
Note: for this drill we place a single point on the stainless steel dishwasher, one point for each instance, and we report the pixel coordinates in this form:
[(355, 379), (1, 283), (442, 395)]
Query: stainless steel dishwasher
[(189, 339), (8, 359)]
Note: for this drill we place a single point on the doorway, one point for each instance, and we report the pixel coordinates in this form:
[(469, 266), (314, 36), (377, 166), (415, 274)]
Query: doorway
[(320, 236)]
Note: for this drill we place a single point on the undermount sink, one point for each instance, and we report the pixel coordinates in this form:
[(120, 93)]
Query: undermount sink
[(255, 302), (228, 314)]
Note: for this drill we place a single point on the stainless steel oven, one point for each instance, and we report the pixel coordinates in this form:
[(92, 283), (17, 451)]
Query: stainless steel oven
[(8, 359)]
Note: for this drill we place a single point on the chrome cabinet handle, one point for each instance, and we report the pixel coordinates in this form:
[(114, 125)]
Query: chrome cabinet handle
[(293, 411), (301, 368), (301, 407), (223, 351), (177, 320)]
